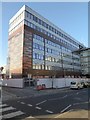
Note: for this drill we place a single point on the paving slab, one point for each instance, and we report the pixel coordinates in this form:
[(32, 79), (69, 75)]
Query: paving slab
[(69, 114)]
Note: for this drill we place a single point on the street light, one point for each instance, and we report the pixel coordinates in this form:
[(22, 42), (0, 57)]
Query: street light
[(64, 76), (63, 70), (1, 70), (36, 78)]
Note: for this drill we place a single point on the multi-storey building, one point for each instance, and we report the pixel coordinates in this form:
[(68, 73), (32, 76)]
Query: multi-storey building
[(39, 48), (85, 61)]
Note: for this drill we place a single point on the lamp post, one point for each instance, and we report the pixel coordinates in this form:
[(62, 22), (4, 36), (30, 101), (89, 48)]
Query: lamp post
[(52, 82), (1, 70), (64, 76), (36, 78), (63, 70)]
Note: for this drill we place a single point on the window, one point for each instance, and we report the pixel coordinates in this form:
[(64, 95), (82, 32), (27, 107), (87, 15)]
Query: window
[(42, 67), (46, 25), (49, 50), (26, 22), (34, 66), (46, 67), (32, 17), (40, 22), (27, 14), (49, 27), (35, 18), (29, 24)]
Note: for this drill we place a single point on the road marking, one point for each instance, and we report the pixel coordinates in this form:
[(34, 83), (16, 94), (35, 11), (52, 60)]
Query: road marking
[(58, 98), (22, 103), (65, 108), (80, 103), (79, 99), (41, 102), (7, 108), (3, 105), (64, 96), (14, 114), (63, 111), (76, 103), (61, 114), (29, 105), (82, 92), (49, 111), (38, 108)]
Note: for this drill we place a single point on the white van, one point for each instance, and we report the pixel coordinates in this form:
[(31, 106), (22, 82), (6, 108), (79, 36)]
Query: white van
[(76, 85)]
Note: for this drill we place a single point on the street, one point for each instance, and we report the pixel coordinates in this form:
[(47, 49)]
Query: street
[(52, 105)]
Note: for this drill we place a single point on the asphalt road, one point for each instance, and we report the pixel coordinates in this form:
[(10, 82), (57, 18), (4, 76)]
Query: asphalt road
[(46, 105)]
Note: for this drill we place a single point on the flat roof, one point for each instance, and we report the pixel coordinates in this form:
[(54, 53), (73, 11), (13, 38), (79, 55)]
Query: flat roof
[(25, 7), (82, 49)]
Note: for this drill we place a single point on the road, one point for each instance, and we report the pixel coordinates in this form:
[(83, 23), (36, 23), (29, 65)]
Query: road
[(47, 105)]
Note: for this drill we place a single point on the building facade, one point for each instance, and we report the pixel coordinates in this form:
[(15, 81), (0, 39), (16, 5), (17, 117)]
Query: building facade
[(36, 47), (84, 54), (85, 61)]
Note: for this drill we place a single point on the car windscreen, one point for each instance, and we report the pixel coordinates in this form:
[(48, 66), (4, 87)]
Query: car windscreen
[(73, 83)]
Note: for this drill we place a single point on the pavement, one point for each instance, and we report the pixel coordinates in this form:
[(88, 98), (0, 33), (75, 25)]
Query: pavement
[(74, 114), (70, 114)]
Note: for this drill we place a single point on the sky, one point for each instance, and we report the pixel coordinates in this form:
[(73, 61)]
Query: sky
[(72, 17)]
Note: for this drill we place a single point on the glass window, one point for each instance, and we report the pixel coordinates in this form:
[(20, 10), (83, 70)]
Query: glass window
[(49, 27), (31, 25), (36, 66), (26, 22), (46, 25), (53, 29), (35, 19), (31, 16), (27, 14), (34, 55), (39, 21), (42, 67), (42, 23), (46, 67)]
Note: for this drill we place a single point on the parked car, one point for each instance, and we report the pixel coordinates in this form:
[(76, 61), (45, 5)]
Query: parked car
[(88, 84), (85, 84), (76, 85)]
